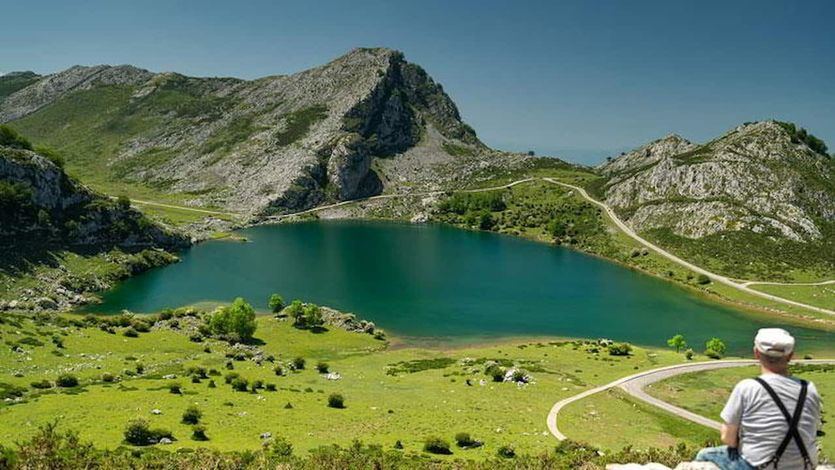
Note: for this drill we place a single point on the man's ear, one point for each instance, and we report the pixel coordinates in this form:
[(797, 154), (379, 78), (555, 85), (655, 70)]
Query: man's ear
[(756, 353), (790, 356)]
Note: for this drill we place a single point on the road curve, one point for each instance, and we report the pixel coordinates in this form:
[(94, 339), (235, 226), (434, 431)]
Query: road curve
[(713, 276), (634, 385)]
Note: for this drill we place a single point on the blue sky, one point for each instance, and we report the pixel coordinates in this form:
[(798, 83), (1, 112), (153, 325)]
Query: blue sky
[(580, 79)]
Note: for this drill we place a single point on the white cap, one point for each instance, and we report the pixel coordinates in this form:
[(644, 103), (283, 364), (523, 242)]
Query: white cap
[(774, 342)]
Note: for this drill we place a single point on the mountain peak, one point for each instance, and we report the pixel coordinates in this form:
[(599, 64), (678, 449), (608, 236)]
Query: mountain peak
[(667, 146)]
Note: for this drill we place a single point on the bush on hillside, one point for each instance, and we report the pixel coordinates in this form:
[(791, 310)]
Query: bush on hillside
[(198, 433), (11, 138), (620, 349), (281, 447), (139, 433), (506, 452), (436, 445), (464, 440), (67, 380), (336, 400), (192, 415)]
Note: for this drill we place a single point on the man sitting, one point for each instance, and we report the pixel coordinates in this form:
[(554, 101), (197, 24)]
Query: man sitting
[(771, 421)]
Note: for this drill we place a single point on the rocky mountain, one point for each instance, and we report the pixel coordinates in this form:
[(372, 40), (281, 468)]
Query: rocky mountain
[(41, 207), (762, 182), (367, 121)]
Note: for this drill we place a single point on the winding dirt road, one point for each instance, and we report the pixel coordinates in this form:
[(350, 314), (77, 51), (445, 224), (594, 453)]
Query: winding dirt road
[(713, 276), (634, 386)]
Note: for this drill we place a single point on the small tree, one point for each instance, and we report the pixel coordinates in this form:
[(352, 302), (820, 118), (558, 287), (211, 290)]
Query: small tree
[(322, 367), (677, 342), (234, 322), (192, 415), (296, 311), (313, 316), (175, 388), (336, 400), (298, 363), (276, 303), (715, 348)]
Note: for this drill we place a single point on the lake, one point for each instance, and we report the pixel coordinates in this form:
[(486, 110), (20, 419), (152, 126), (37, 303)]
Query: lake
[(438, 284)]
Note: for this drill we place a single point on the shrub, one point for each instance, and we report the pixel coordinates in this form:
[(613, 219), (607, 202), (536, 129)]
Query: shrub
[(463, 439), (138, 433), (322, 367), (336, 400), (108, 378), (257, 385), (43, 384), (715, 348), (67, 380), (688, 354), (10, 138), (398, 445), (281, 447), (175, 388), (140, 368), (230, 377), (506, 452), (496, 372), (620, 349), (130, 333), (192, 415), (276, 303), (702, 279), (271, 387), (198, 433), (436, 445), (712, 354), (240, 384), (212, 384), (298, 363), (279, 370)]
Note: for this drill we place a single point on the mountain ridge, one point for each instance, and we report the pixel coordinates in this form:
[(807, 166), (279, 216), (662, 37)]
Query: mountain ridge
[(269, 145)]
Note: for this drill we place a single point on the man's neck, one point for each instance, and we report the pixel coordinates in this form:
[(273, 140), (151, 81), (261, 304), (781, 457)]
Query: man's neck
[(784, 371)]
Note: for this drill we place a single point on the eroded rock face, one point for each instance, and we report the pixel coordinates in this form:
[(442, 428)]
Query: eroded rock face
[(272, 145), (753, 178), (56, 210)]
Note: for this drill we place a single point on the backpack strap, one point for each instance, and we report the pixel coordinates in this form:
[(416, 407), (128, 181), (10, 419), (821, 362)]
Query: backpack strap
[(792, 420)]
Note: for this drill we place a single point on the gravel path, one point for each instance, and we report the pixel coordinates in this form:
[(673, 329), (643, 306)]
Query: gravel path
[(634, 385)]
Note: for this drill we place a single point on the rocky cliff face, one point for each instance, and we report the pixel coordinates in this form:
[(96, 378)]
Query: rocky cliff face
[(757, 178), (42, 207), (348, 129)]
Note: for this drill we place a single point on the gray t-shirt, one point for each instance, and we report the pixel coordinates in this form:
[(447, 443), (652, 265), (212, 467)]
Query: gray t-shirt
[(762, 425)]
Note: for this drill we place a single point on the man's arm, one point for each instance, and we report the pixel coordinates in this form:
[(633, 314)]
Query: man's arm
[(730, 434), (732, 417)]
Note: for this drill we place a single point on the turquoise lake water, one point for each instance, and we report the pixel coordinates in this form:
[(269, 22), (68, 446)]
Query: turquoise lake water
[(441, 285)]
